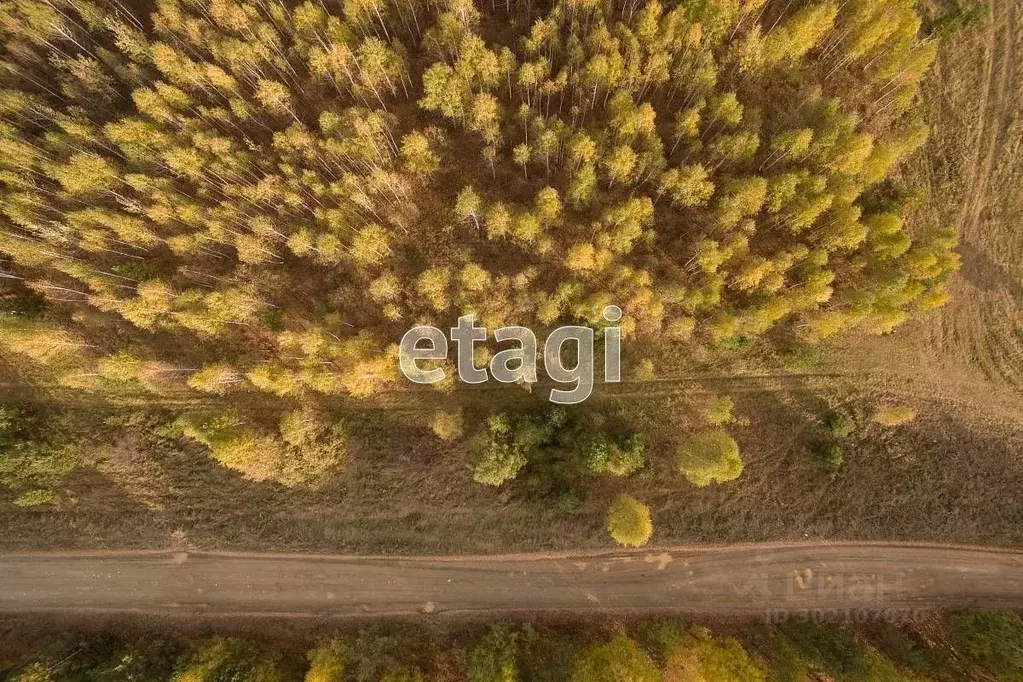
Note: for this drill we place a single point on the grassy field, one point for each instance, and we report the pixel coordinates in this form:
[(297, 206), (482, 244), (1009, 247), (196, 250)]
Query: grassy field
[(952, 474)]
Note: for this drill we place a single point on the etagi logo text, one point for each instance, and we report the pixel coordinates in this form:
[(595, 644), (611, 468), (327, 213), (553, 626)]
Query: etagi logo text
[(518, 364)]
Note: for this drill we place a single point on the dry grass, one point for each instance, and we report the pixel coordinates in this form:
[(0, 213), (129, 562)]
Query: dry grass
[(954, 474), (895, 415)]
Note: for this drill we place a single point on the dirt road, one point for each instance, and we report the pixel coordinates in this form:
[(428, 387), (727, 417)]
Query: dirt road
[(759, 579)]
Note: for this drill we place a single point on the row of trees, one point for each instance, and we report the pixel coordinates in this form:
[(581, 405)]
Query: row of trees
[(982, 645)]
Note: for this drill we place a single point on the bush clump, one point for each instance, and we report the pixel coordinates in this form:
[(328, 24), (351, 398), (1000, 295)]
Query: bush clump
[(840, 424), (328, 660), (447, 425), (718, 411), (601, 455), (992, 639), (831, 457), (629, 521), (494, 657), (711, 456), (618, 660)]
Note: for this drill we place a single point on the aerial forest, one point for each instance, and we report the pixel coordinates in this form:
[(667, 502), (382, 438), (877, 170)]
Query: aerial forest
[(225, 202)]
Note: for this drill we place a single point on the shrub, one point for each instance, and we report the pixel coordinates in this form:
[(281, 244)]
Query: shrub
[(618, 660), (992, 639), (255, 456), (698, 655), (316, 447), (327, 662), (830, 647), (373, 654), (33, 468), (840, 424), (895, 415), (531, 432), (627, 458), (498, 462), (629, 522), (708, 457), (447, 425), (831, 457), (601, 456), (505, 448), (229, 658), (544, 428), (494, 658), (499, 424), (904, 649), (594, 451), (719, 411), (645, 370)]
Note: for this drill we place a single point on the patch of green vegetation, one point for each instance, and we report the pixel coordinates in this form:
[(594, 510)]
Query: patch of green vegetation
[(708, 457), (273, 319), (840, 424), (35, 456), (991, 639), (21, 303), (954, 16), (628, 521), (828, 647), (662, 650), (557, 437), (494, 658), (905, 650), (830, 456)]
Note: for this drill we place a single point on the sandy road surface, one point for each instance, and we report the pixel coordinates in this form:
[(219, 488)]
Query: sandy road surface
[(740, 579)]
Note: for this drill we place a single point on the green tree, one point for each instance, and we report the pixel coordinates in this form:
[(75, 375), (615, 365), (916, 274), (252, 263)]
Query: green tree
[(697, 655), (418, 155), (468, 205), (708, 457), (628, 522), (328, 661), (840, 424), (618, 660), (498, 462), (224, 658), (494, 658), (991, 639), (831, 457)]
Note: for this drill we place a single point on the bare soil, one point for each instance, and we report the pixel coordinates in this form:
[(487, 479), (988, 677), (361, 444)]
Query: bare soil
[(777, 580)]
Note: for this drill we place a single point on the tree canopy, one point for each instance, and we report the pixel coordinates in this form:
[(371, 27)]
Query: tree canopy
[(230, 202), (629, 521), (259, 197), (710, 456)]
